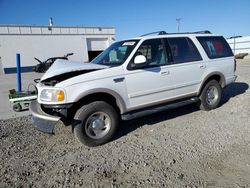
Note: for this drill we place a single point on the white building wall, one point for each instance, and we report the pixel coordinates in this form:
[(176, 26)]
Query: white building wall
[(42, 43), (41, 47)]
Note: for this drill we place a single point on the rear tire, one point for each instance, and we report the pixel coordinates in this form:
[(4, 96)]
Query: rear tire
[(210, 96), (95, 123)]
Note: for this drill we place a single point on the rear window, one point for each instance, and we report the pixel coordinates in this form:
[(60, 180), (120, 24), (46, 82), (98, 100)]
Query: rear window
[(215, 47), (183, 50)]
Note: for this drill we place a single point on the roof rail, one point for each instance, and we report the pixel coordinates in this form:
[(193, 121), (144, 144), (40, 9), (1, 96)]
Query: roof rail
[(195, 32), (165, 33), (203, 32), (157, 32)]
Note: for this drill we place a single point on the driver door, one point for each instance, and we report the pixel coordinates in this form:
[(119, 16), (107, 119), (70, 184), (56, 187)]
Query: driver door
[(151, 82)]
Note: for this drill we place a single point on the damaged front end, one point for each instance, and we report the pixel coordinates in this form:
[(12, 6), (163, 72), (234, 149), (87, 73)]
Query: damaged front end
[(46, 113), (63, 69), (52, 81)]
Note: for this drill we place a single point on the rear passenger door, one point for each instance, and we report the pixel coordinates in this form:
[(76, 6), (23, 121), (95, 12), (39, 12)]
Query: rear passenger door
[(187, 66)]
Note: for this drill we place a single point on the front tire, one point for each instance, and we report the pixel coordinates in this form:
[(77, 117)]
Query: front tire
[(210, 96), (95, 123)]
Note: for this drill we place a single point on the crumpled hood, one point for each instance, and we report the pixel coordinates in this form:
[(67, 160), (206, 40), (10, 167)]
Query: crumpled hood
[(61, 66)]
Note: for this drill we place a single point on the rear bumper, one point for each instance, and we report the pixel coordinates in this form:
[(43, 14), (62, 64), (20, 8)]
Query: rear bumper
[(231, 79), (234, 78), (41, 120)]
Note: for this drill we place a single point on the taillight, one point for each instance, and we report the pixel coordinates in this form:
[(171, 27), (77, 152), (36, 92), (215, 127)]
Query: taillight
[(234, 64)]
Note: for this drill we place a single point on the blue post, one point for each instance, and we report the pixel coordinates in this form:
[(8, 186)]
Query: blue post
[(18, 73)]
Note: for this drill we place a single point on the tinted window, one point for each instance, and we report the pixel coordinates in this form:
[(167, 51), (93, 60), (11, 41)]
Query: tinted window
[(183, 50), (154, 52), (215, 47)]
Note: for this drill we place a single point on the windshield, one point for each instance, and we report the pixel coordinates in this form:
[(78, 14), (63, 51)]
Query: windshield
[(116, 54)]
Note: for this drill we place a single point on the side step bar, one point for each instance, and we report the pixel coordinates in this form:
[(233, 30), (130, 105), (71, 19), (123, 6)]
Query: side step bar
[(137, 114)]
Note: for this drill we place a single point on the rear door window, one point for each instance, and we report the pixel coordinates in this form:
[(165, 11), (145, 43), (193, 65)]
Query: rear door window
[(183, 50), (215, 47)]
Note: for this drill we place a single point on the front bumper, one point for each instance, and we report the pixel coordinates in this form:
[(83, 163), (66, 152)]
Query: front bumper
[(41, 120)]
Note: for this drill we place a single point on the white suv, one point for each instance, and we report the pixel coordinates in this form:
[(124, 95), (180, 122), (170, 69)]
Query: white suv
[(133, 78)]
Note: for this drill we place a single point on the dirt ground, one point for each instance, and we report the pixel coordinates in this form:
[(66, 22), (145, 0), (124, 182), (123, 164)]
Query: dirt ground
[(184, 147)]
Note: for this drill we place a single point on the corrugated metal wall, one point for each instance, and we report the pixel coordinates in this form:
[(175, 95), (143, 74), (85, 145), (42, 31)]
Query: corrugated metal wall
[(240, 44)]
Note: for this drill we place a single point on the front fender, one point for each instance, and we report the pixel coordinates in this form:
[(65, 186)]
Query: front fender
[(119, 100)]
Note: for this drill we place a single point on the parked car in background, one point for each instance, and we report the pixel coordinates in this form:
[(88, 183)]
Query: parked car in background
[(43, 66)]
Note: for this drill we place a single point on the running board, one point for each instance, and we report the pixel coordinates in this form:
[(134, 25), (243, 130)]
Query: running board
[(137, 114)]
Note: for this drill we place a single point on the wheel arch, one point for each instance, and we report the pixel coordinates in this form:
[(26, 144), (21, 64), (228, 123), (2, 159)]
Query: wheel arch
[(218, 76), (106, 95)]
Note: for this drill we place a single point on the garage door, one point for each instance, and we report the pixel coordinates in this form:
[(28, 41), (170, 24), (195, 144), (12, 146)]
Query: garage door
[(97, 44)]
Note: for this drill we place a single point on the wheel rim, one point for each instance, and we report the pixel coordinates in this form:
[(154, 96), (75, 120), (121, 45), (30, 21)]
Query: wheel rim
[(98, 125), (212, 95)]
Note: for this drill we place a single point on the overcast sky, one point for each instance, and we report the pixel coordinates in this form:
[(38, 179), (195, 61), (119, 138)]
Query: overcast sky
[(133, 17)]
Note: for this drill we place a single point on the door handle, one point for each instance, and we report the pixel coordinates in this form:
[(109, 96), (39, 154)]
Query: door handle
[(165, 73), (202, 66), (118, 79)]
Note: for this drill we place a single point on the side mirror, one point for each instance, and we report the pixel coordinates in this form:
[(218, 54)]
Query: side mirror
[(140, 59)]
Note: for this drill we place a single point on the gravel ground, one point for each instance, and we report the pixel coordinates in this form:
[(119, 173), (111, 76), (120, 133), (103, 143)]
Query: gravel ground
[(184, 147)]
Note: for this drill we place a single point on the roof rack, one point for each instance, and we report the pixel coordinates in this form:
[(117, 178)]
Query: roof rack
[(203, 32), (157, 32), (195, 32), (165, 33)]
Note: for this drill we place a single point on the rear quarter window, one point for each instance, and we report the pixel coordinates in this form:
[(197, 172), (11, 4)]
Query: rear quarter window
[(215, 47)]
